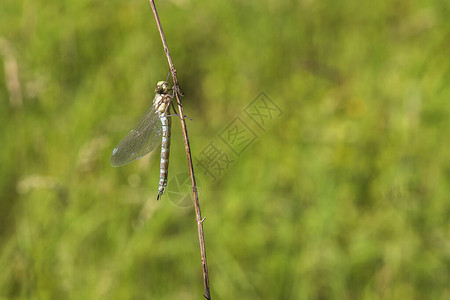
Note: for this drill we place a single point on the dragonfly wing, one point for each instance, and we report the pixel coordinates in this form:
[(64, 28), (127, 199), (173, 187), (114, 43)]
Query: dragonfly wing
[(141, 140)]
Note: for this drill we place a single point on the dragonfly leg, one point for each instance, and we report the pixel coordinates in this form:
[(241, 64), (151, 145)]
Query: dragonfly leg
[(179, 90), (179, 115), (173, 106)]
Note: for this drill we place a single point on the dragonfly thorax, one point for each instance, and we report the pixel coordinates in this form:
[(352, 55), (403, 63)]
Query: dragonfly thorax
[(162, 98), (161, 103)]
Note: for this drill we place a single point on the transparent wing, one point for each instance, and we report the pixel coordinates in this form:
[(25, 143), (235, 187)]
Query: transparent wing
[(141, 140)]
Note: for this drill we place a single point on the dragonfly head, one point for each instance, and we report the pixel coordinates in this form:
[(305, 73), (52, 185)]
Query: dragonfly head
[(162, 87)]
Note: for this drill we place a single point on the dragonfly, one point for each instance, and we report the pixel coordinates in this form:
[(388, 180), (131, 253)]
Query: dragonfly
[(152, 129)]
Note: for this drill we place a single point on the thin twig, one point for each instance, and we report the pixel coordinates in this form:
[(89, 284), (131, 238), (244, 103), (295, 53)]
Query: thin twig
[(198, 213)]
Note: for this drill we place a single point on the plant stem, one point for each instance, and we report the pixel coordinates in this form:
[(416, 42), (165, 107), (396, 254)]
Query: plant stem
[(198, 213)]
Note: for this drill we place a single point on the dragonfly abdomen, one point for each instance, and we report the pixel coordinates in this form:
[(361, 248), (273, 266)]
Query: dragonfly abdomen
[(165, 151)]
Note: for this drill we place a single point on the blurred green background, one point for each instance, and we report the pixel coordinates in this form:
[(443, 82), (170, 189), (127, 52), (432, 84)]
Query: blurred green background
[(344, 196)]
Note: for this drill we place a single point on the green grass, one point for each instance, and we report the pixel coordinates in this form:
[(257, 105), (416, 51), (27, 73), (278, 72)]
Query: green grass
[(345, 196)]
